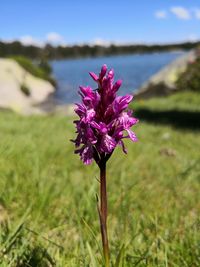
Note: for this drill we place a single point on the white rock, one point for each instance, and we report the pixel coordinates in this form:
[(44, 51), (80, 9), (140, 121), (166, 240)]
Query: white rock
[(164, 81), (12, 76)]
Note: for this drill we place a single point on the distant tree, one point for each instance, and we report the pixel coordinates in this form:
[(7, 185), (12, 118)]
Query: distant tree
[(59, 52)]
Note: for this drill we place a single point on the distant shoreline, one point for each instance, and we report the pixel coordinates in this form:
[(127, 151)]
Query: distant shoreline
[(120, 55), (50, 52)]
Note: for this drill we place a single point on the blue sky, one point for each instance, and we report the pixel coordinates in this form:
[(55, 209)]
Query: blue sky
[(87, 21)]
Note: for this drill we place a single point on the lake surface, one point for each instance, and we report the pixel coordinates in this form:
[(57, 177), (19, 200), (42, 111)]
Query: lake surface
[(134, 70)]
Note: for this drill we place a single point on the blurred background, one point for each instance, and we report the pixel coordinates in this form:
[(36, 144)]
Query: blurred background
[(47, 196), (65, 40)]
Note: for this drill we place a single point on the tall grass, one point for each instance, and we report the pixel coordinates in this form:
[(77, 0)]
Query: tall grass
[(47, 197)]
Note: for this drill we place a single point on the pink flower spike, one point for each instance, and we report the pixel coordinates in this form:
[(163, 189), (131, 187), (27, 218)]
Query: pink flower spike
[(103, 119)]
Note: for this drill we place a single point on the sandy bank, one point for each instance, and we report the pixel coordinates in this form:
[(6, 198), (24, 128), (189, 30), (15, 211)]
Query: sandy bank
[(12, 78)]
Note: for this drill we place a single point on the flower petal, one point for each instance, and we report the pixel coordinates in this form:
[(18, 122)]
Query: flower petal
[(121, 143), (108, 144), (121, 103), (94, 76), (103, 71), (117, 85), (87, 155), (132, 135), (89, 115)]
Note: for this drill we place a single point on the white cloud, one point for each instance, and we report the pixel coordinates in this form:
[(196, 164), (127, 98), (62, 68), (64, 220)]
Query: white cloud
[(100, 41), (161, 14), (55, 38), (29, 40), (181, 12), (197, 13), (52, 38), (193, 37)]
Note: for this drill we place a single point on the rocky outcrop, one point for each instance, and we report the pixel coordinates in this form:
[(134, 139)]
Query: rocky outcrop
[(164, 82), (20, 91)]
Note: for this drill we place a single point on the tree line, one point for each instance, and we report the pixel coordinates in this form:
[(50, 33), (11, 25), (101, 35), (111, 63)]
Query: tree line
[(76, 51)]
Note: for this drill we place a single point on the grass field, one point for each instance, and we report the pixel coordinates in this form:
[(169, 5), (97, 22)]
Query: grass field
[(48, 209)]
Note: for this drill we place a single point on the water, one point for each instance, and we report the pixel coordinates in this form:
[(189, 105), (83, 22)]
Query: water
[(134, 70)]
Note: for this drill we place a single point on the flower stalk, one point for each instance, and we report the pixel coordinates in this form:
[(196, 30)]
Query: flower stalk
[(103, 212)]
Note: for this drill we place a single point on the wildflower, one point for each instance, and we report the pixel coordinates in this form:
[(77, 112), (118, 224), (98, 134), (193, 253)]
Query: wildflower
[(103, 119), (104, 122)]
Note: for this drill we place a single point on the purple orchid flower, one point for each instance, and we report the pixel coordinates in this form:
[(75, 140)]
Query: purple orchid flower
[(103, 123), (103, 119)]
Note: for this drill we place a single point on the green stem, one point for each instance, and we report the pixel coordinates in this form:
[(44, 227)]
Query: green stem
[(103, 212)]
